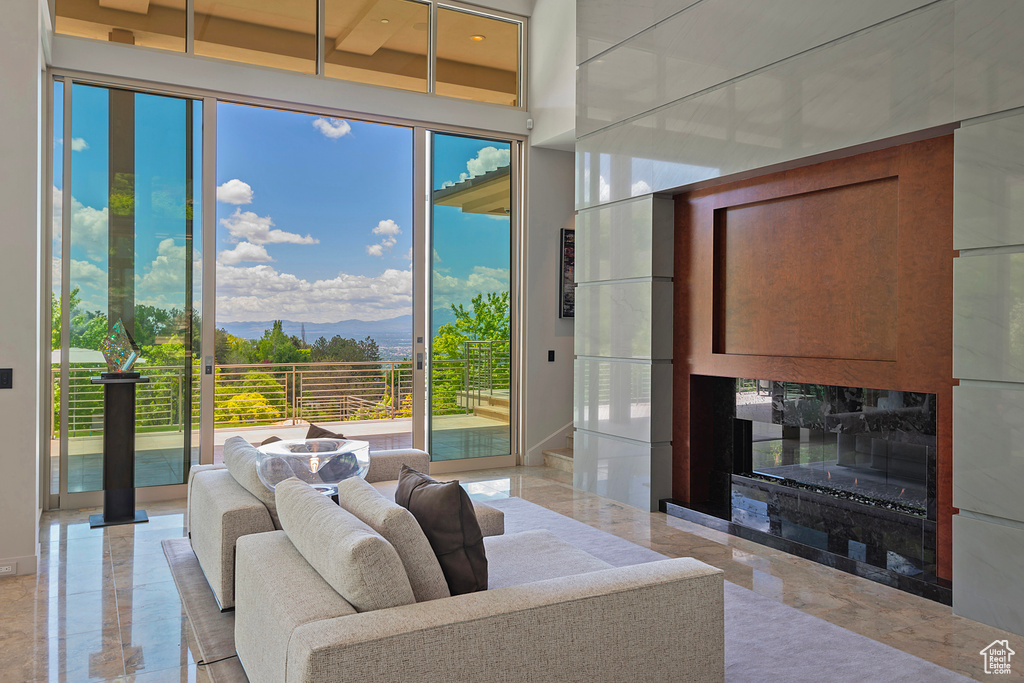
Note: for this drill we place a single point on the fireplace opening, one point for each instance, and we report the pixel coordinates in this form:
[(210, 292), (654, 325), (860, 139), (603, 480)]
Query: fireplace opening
[(870, 446), (840, 475)]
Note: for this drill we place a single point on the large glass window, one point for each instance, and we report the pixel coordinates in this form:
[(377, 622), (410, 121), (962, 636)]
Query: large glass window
[(470, 303), (278, 33), (477, 57), (383, 43), (149, 23), (314, 277), (390, 43), (132, 256)]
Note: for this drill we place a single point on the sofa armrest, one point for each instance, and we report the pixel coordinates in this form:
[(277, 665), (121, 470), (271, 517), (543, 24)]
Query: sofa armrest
[(385, 465), (220, 511), (192, 472), (277, 591), (650, 622)]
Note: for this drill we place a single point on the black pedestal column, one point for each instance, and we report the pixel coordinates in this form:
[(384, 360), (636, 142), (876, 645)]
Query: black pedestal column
[(119, 449)]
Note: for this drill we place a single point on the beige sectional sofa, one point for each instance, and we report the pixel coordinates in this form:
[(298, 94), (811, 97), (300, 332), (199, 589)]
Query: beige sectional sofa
[(226, 502), (330, 598)]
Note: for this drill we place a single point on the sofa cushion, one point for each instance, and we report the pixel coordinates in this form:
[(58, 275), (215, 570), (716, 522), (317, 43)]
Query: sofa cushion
[(490, 519), (401, 530), (240, 457), (535, 555), (353, 558), (445, 513)]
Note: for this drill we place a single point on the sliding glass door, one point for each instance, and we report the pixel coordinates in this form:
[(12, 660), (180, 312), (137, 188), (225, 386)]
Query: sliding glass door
[(314, 277), (470, 303), (129, 238), (335, 293)]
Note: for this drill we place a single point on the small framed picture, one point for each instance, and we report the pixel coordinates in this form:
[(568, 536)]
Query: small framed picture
[(567, 281)]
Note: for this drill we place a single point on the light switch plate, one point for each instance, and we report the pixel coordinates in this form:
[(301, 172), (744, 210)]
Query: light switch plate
[(6, 378)]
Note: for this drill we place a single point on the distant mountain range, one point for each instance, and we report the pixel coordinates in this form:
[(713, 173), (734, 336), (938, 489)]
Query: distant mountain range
[(353, 329)]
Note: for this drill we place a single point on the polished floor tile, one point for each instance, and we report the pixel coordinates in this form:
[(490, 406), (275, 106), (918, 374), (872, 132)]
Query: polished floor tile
[(103, 606)]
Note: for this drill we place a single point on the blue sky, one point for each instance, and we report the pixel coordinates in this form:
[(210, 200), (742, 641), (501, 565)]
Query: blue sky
[(314, 215), (315, 219)]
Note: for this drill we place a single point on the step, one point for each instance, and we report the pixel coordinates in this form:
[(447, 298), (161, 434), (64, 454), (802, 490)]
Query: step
[(568, 440), (484, 399), (558, 458), (492, 412)]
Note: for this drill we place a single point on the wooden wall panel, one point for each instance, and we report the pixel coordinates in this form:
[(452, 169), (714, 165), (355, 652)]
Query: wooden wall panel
[(808, 276), (918, 359)]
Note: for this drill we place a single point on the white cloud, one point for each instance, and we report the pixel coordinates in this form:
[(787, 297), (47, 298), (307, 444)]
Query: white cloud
[(79, 145), (387, 227), (88, 227), (437, 257), (481, 279), (86, 273), (486, 160), (408, 255), (244, 252), (246, 226), (332, 128), (162, 282), (235, 191), (263, 293)]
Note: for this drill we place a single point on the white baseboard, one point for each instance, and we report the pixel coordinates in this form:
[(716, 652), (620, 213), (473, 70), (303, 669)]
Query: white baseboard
[(25, 565)]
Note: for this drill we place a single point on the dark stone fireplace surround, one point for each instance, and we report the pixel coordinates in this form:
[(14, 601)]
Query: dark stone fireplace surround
[(883, 545)]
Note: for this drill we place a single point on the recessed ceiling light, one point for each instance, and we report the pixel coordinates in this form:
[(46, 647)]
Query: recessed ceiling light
[(385, 21), (477, 37)]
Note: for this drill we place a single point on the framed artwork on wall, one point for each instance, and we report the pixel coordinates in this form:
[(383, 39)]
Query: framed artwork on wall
[(567, 280)]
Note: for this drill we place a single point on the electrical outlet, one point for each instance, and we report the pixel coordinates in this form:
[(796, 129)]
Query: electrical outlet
[(6, 378), (7, 569)]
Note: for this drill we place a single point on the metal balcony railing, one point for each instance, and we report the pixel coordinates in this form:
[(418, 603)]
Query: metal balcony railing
[(260, 394)]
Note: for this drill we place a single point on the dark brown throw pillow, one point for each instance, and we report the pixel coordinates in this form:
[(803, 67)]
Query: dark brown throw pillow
[(316, 432), (446, 515), (269, 439)]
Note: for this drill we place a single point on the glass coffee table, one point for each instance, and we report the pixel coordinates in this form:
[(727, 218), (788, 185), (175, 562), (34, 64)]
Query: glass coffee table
[(321, 463)]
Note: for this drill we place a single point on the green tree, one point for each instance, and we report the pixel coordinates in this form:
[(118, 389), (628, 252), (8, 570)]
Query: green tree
[(275, 347), (73, 299), (487, 320), (88, 330), (342, 350)]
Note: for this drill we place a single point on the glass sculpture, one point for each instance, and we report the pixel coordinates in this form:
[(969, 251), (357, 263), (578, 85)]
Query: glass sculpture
[(119, 349)]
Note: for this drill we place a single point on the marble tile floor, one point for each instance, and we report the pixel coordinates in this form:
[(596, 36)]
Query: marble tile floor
[(103, 606)]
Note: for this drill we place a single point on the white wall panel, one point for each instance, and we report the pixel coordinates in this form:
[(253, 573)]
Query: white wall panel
[(710, 43), (615, 164), (988, 317), (988, 439), (624, 320), (631, 472), (601, 24), (987, 558), (894, 79), (632, 400), (988, 186), (625, 240), (989, 59)]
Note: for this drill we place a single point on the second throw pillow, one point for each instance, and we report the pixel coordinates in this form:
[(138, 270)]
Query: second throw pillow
[(445, 513)]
